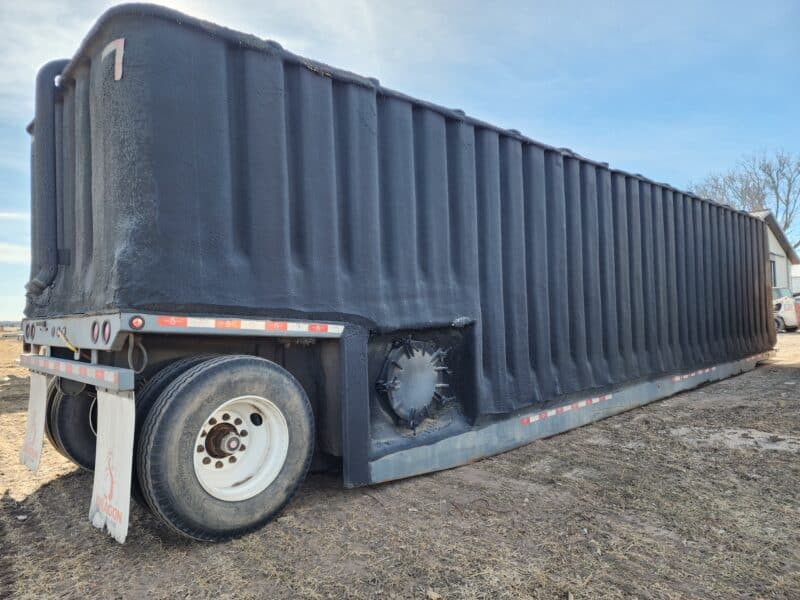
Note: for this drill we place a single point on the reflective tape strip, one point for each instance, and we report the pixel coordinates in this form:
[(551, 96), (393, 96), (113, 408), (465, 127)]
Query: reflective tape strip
[(528, 419), (248, 325), (172, 321), (256, 325), (201, 323), (99, 374), (676, 378), (227, 324)]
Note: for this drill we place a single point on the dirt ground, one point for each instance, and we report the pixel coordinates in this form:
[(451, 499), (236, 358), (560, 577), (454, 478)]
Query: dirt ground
[(693, 497)]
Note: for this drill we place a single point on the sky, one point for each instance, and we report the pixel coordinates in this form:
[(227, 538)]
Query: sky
[(672, 90)]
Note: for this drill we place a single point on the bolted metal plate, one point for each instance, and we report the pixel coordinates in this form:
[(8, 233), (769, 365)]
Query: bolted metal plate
[(413, 380)]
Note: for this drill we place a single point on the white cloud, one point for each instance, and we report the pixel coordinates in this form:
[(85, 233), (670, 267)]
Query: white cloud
[(407, 47), (14, 254), (14, 216), (372, 39), (414, 44), (530, 56), (35, 33)]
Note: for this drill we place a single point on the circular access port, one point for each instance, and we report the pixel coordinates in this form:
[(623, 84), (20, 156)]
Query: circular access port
[(413, 381)]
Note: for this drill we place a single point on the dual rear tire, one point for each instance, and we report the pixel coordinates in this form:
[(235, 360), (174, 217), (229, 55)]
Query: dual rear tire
[(224, 447), (71, 423), (221, 445)]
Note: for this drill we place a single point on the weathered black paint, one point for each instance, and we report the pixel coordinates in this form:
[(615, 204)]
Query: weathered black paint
[(44, 233), (354, 400), (224, 175)]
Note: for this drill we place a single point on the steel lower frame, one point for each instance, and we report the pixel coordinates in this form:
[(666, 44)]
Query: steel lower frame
[(100, 376), (353, 390), (108, 331), (527, 426)]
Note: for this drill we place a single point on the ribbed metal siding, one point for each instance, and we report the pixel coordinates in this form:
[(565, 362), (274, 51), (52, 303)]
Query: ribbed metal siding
[(237, 178)]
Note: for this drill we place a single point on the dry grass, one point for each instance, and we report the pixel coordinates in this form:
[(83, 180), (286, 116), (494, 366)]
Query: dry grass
[(661, 502)]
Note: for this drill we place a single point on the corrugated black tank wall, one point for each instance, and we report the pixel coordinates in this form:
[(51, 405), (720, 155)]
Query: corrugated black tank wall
[(222, 174)]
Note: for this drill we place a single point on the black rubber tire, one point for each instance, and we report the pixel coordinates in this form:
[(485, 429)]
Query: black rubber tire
[(166, 447), (51, 392), (48, 430), (154, 386), (145, 398), (71, 427)]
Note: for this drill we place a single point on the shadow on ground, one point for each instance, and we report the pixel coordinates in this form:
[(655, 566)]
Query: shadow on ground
[(655, 503)]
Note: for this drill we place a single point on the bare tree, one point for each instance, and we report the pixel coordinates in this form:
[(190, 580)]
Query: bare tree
[(762, 181)]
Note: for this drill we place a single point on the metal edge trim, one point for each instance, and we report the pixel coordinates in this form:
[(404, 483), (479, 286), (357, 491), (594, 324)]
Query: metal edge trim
[(515, 432)]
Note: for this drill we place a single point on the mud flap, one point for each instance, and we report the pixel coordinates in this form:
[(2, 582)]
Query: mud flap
[(31, 452), (111, 491)]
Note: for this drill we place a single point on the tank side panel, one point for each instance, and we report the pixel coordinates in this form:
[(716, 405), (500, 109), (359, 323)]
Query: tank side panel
[(217, 177)]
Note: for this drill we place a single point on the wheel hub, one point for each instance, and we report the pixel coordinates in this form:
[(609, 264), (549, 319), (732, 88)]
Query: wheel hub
[(222, 440), (231, 442), (241, 448)]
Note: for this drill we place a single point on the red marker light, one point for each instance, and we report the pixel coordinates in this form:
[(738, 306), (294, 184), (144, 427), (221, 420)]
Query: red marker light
[(95, 331), (136, 322), (106, 331)]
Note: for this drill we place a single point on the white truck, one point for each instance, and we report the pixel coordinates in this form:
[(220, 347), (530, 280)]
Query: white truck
[(786, 310)]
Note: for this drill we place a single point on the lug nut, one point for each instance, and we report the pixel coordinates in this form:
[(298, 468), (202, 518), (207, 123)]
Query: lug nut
[(203, 434), (200, 448), (218, 464), (212, 421), (237, 421), (226, 417), (231, 442), (243, 433), (232, 459), (242, 447), (206, 461)]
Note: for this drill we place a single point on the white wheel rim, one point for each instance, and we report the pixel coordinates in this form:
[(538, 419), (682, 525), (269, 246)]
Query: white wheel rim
[(241, 448)]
